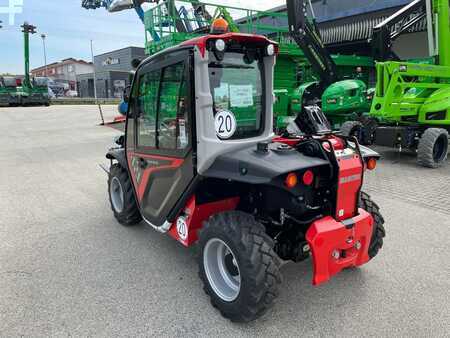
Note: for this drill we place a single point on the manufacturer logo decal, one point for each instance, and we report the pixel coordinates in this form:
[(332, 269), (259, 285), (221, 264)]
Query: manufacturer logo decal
[(349, 179)]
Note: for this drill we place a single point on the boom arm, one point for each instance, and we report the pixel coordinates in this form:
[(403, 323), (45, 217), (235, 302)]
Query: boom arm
[(27, 29), (117, 5), (391, 28), (307, 36)]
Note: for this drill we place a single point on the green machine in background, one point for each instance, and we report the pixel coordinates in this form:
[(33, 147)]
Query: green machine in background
[(341, 95), (33, 91), (9, 91), (411, 106)]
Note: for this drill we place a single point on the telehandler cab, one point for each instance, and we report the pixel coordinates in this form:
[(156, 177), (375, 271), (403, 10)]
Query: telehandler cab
[(200, 162)]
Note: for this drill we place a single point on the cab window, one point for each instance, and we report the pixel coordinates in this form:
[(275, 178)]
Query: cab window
[(236, 84), (147, 104), (163, 120), (172, 116)]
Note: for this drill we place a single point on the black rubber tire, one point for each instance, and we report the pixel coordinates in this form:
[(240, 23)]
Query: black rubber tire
[(426, 156), (376, 243), (130, 215), (353, 128), (258, 265)]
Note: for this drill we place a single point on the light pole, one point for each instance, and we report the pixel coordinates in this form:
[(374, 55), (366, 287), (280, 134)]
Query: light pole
[(43, 36)]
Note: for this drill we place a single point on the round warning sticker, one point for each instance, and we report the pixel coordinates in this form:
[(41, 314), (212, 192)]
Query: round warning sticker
[(225, 124), (182, 228)]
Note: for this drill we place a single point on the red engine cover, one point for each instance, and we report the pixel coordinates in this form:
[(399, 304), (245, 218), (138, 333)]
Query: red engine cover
[(336, 245)]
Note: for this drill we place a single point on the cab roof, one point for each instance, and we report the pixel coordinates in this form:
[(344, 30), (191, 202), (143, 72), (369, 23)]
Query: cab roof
[(202, 41)]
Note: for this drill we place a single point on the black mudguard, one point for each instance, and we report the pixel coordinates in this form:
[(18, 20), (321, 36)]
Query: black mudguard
[(119, 155), (368, 153)]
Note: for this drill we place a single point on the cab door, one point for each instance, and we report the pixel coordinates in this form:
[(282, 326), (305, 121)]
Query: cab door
[(160, 155)]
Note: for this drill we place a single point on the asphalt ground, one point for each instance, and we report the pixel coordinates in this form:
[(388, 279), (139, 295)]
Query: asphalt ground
[(67, 268)]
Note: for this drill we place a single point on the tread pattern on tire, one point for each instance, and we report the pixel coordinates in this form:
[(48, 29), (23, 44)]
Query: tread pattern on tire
[(348, 127), (379, 232), (426, 146), (131, 214), (258, 263)]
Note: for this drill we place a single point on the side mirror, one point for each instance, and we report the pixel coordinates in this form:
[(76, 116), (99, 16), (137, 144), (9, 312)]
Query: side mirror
[(135, 63), (123, 108), (126, 94), (120, 140)]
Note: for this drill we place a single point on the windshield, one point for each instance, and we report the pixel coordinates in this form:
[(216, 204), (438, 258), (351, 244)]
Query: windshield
[(40, 82), (237, 89), (9, 82)]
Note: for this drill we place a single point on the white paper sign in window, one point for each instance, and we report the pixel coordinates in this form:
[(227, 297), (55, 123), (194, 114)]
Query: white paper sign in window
[(241, 96), (221, 96)]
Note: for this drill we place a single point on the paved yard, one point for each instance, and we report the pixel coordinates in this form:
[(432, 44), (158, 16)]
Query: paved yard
[(68, 269)]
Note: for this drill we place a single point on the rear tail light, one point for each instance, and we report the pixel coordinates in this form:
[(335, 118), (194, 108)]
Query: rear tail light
[(291, 180), (371, 163), (308, 177)]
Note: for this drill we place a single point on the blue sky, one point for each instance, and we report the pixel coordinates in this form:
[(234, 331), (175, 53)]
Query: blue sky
[(69, 28)]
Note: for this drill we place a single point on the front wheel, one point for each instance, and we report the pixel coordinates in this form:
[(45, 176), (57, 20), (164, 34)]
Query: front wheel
[(121, 196), (433, 148), (238, 267)]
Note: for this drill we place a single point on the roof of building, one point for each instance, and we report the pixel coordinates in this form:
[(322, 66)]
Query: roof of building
[(120, 49), (61, 63), (341, 21)]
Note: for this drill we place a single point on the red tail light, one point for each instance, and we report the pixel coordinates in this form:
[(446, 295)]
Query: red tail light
[(308, 177)]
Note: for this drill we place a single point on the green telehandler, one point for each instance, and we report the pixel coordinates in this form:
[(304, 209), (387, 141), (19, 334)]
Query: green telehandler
[(34, 91), (411, 105), (341, 96)]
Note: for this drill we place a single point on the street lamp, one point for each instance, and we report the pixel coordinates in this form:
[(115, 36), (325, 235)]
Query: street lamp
[(43, 36)]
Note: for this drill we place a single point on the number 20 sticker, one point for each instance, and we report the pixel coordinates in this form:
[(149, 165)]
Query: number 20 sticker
[(225, 124)]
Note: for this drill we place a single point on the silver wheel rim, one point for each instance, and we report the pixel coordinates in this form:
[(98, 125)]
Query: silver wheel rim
[(116, 192), (222, 269)]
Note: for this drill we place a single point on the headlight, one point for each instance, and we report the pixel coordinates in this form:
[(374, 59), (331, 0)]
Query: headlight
[(270, 50), (220, 45)]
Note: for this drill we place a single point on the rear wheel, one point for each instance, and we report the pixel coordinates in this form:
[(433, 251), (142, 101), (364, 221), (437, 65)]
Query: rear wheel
[(238, 267), (363, 130), (376, 243), (432, 151), (121, 196), (352, 129)]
